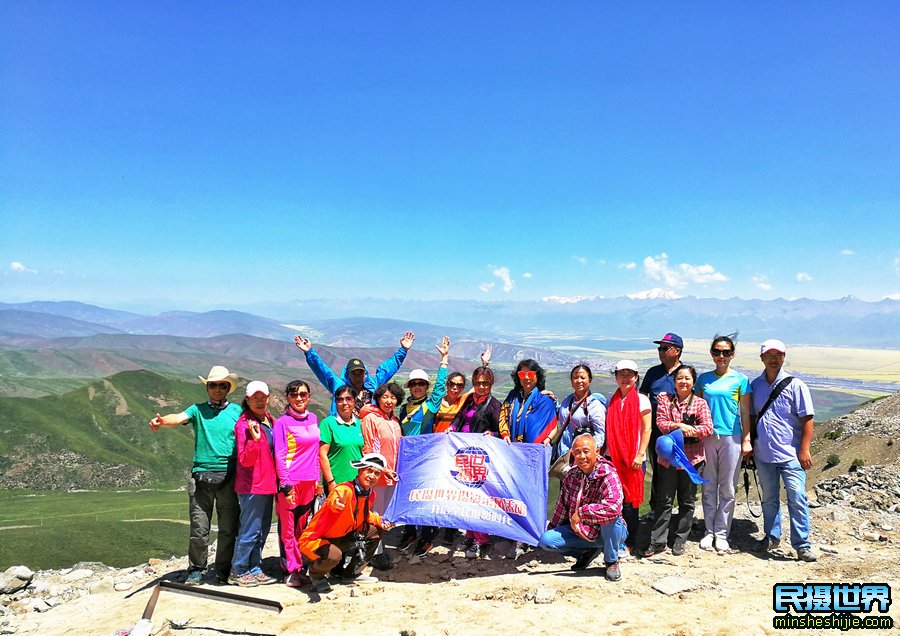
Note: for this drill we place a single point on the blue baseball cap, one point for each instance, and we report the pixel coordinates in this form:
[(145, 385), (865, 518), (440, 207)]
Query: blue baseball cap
[(671, 339)]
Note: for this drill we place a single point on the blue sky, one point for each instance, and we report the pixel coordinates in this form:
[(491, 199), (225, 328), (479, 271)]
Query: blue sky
[(199, 155)]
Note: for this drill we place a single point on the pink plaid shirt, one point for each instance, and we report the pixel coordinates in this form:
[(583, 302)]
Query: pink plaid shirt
[(670, 412)]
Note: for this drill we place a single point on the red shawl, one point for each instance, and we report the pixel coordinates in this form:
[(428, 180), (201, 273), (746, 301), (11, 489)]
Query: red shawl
[(623, 435)]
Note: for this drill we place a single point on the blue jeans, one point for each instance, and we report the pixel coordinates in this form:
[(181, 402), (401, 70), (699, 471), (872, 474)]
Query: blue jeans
[(798, 507), (256, 519), (563, 539)]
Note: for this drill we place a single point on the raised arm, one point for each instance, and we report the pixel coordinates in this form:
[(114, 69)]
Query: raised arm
[(324, 374), (440, 382), (389, 367)]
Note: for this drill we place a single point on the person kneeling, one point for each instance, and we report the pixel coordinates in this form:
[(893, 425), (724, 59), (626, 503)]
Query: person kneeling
[(588, 515), (342, 536)]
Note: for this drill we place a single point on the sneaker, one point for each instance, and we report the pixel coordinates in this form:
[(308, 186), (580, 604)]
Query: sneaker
[(322, 586), (382, 562), (262, 578), (422, 548), (654, 549), (296, 579), (722, 546), (194, 577), (467, 545), (706, 543), (767, 544), (407, 541), (678, 548), (585, 559), (515, 551), (613, 573), (359, 578), (244, 580), (805, 554)]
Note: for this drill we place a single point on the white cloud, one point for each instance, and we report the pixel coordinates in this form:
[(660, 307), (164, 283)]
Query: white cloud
[(761, 282), (485, 287), (581, 260), (527, 275), (892, 297), (847, 252), (803, 277), (503, 274), (601, 261), (19, 268), (627, 265), (657, 268), (565, 300)]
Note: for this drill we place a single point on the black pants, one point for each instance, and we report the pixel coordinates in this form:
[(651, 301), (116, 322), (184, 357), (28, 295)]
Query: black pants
[(672, 483), (331, 555)]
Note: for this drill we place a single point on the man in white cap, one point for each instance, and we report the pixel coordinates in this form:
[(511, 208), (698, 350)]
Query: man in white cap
[(342, 536), (212, 476), (782, 409)]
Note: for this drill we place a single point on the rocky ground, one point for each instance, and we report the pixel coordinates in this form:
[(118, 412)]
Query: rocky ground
[(698, 593)]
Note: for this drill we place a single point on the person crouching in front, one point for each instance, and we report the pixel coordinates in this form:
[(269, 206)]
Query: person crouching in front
[(342, 536), (588, 515)]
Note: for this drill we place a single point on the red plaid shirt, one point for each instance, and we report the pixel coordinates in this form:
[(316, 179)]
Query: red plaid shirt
[(670, 412), (597, 497)]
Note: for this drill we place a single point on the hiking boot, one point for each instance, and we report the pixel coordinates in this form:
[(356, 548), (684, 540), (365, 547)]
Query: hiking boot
[(706, 543), (585, 559), (767, 544), (244, 580), (678, 548), (407, 541), (296, 579), (194, 577), (515, 551), (613, 573), (382, 562), (262, 578), (322, 586), (805, 554), (722, 546), (449, 536), (422, 548), (654, 549)]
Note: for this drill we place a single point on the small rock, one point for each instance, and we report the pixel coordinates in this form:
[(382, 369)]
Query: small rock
[(15, 578), (8, 628), (414, 560), (827, 550), (670, 585), (121, 586), (154, 561), (39, 605), (354, 591), (886, 527), (407, 632), (544, 596), (814, 503), (871, 536), (78, 575)]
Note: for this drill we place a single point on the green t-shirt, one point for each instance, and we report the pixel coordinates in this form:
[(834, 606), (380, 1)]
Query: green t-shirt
[(345, 446), (214, 448)]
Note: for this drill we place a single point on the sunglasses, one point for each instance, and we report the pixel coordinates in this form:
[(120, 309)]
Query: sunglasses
[(716, 353), (417, 383), (218, 385), (527, 375), (456, 385), (299, 394), (664, 348), (482, 383), (346, 398)]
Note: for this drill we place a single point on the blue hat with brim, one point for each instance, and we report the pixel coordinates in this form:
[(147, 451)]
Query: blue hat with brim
[(671, 448)]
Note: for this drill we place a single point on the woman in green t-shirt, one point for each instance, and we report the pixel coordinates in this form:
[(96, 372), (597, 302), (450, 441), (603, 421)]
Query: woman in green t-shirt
[(340, 441)]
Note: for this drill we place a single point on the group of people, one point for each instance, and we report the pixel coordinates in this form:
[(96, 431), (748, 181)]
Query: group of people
[(687, 429)]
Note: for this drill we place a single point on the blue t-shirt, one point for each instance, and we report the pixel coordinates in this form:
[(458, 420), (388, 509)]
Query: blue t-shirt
[(723, 394), (657, 381)]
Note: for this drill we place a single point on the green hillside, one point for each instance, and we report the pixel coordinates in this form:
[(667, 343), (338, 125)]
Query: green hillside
[(97, 436)]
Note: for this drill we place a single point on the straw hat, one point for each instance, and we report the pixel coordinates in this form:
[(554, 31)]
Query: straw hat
[(220, 374)]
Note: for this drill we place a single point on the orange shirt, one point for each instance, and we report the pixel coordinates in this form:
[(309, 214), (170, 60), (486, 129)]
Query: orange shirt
[(331, 523)]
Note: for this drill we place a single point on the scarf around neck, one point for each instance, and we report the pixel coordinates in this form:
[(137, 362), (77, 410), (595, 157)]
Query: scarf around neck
[(624, 426)]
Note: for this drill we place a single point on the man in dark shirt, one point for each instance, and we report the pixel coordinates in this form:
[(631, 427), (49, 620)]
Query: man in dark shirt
[(660, 379)]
